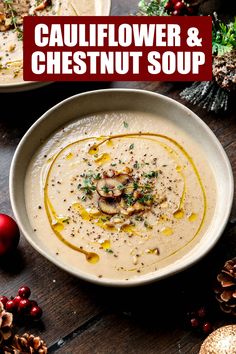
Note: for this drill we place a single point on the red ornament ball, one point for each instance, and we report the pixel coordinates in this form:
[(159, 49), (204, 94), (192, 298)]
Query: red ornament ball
[(36, 312), (24, 292), (9, 234)]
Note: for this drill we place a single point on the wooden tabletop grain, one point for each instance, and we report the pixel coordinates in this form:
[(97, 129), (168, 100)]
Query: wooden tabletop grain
[(84, 318)]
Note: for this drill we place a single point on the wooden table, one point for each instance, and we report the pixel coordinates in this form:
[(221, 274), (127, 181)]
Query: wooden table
[(83, 318)]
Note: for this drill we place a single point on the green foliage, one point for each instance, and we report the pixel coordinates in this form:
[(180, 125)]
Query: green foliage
[(224, 38), (153, 7)]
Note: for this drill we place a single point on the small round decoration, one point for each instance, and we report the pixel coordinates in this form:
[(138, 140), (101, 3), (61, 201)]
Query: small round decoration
[(221, 341), (9, 235)]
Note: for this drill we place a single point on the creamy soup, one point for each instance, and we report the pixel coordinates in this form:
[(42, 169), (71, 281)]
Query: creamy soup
[(11, 29), (119, 195)]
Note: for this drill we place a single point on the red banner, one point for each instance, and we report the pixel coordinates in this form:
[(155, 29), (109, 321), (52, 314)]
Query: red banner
[(126, 48)]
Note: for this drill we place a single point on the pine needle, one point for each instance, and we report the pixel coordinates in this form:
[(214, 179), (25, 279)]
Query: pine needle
[(153, 7)]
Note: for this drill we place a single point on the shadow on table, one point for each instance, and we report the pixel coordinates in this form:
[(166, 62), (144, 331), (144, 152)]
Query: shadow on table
[(13, 263), (20, 110)]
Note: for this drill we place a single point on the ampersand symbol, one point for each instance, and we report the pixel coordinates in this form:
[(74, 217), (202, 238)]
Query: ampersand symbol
[(193, 40)]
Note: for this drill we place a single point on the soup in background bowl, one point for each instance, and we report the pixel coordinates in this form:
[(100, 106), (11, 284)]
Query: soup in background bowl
[(122, 186), (11, 32)]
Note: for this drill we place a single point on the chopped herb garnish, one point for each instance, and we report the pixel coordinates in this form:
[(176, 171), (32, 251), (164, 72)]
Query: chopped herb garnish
[(138, 218), (146, 187), (146, 198), (148, 226), (105, 189), (104, 219), (109, 250), (88, 187), (135, 186), (97, 176), (66, 220), (126, 125), (129, 199), (121, 187), (151, 174), (113, 164), (131, 146)]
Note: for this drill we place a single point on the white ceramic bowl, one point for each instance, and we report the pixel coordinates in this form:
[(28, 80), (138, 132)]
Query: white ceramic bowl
[(116, 100), (103, 8)]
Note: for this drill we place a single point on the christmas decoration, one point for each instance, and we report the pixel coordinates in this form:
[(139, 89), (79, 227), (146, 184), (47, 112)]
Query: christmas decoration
[(221, 341), (199, 320), (36, 312), (9, 234), (27, 343), (24, 292), (12, 343), (226, 288), (22, 306), (214, 95), (224, 70), (6, 319), (169, 7)]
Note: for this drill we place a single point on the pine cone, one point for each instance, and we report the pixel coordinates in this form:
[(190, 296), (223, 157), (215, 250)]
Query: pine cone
[(224, 70), (226, 289), (6, 319), (27, 343)]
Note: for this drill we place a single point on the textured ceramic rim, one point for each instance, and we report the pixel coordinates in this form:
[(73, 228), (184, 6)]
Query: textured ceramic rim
[(32, 85), (149, 277)]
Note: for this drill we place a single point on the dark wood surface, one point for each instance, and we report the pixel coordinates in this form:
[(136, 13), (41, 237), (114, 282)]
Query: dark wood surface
[(83, 318)]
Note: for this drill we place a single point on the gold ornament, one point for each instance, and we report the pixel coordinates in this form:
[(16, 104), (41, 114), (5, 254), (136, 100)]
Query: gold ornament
[(221, 341)]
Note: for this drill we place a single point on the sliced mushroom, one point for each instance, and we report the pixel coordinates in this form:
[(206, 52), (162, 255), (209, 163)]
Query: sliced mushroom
[(109, 174), (129, 188), (138, 207), (123, 178), (109, 206), (109, 188), (128, 170), (43, 5)]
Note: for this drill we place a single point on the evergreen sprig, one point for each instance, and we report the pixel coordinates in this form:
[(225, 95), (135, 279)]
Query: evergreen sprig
[(223, 37), (153, 7)]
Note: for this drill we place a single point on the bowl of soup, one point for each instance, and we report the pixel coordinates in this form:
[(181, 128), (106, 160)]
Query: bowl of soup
[(121, 187)]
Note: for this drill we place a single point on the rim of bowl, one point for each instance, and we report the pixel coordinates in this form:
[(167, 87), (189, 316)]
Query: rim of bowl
[(22, 86), (149, 277)]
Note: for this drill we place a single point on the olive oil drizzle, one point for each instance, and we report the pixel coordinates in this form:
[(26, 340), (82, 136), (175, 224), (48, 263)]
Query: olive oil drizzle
[(50, 211)]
